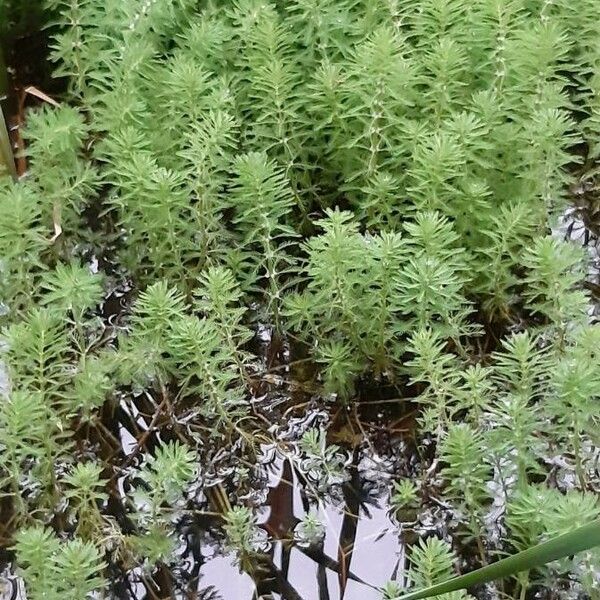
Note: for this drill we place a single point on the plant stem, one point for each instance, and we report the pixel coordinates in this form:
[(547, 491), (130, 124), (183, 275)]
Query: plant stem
[(524, 584)]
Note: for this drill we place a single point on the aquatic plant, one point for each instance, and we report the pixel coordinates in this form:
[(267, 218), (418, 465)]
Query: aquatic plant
[(404, 494), (367, 184), (432, 562), (240, 528), (323, 463), (55, 569), (310, 530)]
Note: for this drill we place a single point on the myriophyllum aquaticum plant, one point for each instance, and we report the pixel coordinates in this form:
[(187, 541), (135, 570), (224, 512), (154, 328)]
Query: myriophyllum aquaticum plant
[(371, 182)]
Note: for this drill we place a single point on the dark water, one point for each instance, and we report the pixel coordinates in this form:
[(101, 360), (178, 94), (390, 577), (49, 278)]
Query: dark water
[(362, 547), (360, 551)]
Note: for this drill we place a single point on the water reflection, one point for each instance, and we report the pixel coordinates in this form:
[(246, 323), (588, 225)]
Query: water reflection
[(223, 576), (360, 551)]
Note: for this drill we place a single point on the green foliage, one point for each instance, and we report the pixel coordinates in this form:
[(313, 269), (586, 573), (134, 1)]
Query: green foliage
[(371, 182), (22, 243), (503, 242), (84, 493), (321, 462), (262, 198), (92, 385), (219, 297), (165, 476), (37, 351), (26, 433), (517, 424), (466, 470), (368, 292), (71, 288), (391, 590), (435, 367), (64, 181), (555, 270), (145, 349), (240, 528), (160, 490), (207, 368), (536, 513), (573, 395), (55, 569), (432, 562), (405, 494), (431, 285), (310, 531)]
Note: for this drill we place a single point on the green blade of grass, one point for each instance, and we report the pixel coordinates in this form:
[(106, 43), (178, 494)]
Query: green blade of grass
[(581, 539), (3, 69), (7, 162)]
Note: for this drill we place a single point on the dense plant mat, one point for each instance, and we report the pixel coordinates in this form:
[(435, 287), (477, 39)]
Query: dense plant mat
[(241, 212)]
